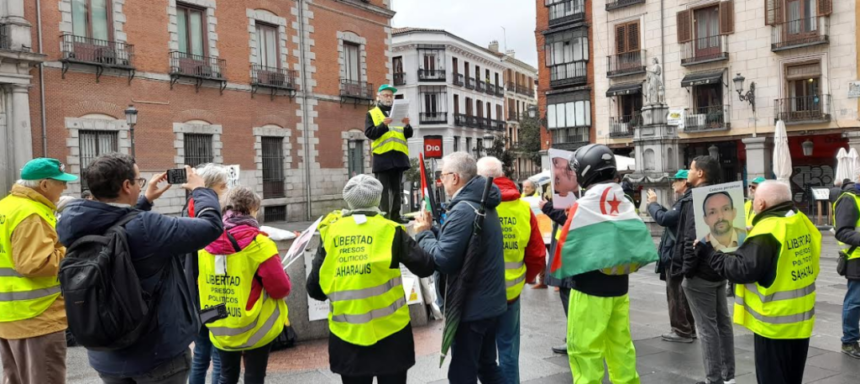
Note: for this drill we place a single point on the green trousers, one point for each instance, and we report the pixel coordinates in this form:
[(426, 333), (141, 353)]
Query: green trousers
[(598, 328)]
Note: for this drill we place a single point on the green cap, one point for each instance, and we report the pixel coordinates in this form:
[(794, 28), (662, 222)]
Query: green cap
[(386, 87), (758, 180), (45, 168), (682, 174)]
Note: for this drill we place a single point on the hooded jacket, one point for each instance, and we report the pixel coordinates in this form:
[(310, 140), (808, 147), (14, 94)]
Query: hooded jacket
[(448, 244), (535, 252), (155, 242)]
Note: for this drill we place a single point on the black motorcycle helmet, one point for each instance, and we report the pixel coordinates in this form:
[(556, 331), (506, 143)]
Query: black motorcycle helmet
[(593, 163)]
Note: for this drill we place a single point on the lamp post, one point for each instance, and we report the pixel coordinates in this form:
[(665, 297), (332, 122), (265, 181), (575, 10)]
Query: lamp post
[(714, 152), (131, 120), (808, 146), (532, 111), (750, 95)]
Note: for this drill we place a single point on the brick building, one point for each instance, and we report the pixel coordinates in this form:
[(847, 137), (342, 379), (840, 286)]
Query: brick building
[(566, 73), (279, 88)]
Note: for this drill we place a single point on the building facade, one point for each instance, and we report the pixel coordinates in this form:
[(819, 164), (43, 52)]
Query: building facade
[(18, 57), (455, 89), (279, 88), (732, 69), (566, 73), (520, 96)]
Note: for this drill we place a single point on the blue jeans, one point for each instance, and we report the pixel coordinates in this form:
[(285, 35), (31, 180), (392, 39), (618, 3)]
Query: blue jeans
[(203, 353), (851, 313), (508, 343)]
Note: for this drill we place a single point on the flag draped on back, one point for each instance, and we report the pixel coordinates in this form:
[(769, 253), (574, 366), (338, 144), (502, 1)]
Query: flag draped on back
[(602, 231)]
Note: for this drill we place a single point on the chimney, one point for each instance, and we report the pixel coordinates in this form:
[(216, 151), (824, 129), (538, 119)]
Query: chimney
[(511, 53), (494, 46)]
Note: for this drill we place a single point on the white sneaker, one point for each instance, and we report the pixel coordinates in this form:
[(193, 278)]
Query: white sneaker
[(732, 381)]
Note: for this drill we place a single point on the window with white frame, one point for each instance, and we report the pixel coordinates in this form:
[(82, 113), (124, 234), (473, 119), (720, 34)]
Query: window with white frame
[(567, 56), (569, 117), (267, 45)]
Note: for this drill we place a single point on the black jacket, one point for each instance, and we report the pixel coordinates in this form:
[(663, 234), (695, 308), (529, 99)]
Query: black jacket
[(685, 223), (391, 160), (756, 259), (692, 264), (395, 353), (667, 219), (846, 216)]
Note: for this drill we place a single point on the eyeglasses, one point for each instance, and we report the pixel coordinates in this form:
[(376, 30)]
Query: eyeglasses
[(445, 174), (140, 181)]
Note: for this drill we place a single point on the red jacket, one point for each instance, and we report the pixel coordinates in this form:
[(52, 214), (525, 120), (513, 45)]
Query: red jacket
[(535, 257)]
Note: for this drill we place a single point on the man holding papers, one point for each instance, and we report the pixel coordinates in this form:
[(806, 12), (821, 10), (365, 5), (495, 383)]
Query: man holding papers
[(390, 151)]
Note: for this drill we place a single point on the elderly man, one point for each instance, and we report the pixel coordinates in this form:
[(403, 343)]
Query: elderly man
[(390, 150), (32, 312), (474, 349), (530, 189), (524, 252), (846, 218), (777, 262), (680, 317), (748, 206)]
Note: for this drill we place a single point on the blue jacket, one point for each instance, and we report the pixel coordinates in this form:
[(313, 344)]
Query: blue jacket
[(448, 246), (156, 242)]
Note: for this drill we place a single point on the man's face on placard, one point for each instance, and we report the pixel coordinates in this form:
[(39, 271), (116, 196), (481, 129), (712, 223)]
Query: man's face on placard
[(564, 180), (719, 214)]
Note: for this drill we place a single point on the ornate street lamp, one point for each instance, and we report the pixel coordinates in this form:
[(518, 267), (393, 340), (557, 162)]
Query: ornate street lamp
[(714, 152), (750, 95), (131, 119), (808, 146)]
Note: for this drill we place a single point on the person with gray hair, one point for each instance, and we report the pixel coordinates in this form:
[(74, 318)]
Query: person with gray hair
[(530, 189), (474, 348), (775, 271), (525, 258), (362, 251)]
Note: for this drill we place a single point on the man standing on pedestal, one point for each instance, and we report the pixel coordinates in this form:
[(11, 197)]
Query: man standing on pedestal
[(390, 151)]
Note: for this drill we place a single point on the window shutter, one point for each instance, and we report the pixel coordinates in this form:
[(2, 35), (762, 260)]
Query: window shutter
[(773, 12), (727, 17), (825, 7), (620, 39), (633, 37), (685, 28)]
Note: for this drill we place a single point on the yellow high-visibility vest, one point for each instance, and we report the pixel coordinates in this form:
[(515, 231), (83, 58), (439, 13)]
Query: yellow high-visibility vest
[(368, 302), (856, 253), (748, 207), (393, 140), (22, 297), (785, 309), (243, 329), (515, 217)]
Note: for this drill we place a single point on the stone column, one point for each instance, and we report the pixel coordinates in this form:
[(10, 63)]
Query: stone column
[(853, 140), (19, 27), (759, 157), (19, 127)]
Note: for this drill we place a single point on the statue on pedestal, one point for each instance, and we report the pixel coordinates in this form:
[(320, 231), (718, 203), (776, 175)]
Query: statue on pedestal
[(654, 90)]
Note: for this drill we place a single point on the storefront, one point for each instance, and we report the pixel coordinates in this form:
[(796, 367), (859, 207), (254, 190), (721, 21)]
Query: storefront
[(814, 161)]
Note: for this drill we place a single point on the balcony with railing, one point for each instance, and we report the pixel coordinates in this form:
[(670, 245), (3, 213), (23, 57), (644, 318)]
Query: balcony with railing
[(481, 86), (433, 117), (514, 116), (99, 53), (616, 4), (705, 50), (5, 37), (570, 139), (803, 110), (800, 33), (497, 125), (624, 126), (521, 89), (470, 83), (399, 79), (710, 118), (273, 78), (568, 74), (431, 75), (359, 92), (461, 120), (565, 11), (197, 67), (458, 80), (500, 90), (625, 64), (491, 89)]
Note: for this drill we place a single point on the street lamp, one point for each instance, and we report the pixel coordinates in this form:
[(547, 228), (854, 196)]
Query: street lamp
[(532, 111), (750, 95), (131, 119), (807, 147), (714, 152)]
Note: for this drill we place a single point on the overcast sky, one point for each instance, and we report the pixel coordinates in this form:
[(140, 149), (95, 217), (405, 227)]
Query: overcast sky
[(478, 21)]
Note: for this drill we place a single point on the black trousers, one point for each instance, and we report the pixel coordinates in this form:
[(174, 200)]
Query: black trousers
[(680, 315), (473, 354), (256, 361), (780, 361), (564, 294), (392, 189), (399, 378)]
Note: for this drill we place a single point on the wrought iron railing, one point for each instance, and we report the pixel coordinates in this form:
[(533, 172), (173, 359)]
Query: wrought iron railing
[(491, 89), (356, 89), (273, 77), (431, 75), (611, 5), (459, 80), (203, 67), (710, 118), (500, 91), (514, 116), (569, 73), (399, 79), (800, 33), (624, 126), (627, 63), (481, 86), (87, 50), (461, 120), (521, 89), (497, 125), (433, 117), (805, 109), (704, 50), (470, 83), (566, 11)]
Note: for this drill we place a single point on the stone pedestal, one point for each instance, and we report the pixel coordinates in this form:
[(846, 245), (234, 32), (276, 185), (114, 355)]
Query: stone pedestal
[(759, 157)]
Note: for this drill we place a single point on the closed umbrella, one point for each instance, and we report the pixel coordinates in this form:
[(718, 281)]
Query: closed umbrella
[(781, 155), (853, 164), (842, 171)]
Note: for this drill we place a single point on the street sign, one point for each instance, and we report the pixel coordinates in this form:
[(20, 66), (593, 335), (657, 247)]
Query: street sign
[(432, 147), (821, 193), (854, 90), (676, 117)]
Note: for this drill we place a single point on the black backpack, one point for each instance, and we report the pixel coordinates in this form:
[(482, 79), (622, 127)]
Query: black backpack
[(107, 308)]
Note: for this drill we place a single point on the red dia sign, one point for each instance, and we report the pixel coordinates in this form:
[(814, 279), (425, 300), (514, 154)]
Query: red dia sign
[(433, 147)]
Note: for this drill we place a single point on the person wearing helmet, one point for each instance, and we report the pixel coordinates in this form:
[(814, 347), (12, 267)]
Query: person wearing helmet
[(599, 308)]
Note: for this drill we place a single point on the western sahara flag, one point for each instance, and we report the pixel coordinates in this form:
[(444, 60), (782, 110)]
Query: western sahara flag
[(425, 190), (602, 231)]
